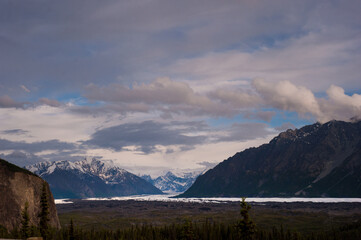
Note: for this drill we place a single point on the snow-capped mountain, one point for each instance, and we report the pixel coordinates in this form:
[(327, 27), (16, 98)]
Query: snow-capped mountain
[(173, 182), (90, 178)]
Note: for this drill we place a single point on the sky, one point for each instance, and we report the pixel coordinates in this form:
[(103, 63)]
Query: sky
[(162, 85)]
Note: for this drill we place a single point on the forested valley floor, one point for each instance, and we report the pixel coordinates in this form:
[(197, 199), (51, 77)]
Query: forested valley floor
[(180, 220)]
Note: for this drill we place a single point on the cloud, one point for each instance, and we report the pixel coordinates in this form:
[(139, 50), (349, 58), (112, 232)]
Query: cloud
[(15, 132), (49, 102), (24, 158), (25, 88), (8, 102), (211, 52), (341, 106), (36, 147), (238, 98), (207, 165), (162, 90), (111, 40), (337, 95), (287, 96), (285, 126), (327, 53), (262, 114), (21, 158), (145, 136), (24, 153), (169, 97), (239, 132)]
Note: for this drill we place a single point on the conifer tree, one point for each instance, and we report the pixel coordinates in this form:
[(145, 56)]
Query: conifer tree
[(44, 213), (245, 226), (71, 230), (187, 231), (25, 228)]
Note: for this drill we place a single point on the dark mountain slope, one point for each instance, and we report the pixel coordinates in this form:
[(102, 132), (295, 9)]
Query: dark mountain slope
[(316, 160)]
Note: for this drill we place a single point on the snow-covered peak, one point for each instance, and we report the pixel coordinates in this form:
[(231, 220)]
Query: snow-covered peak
[(184, 173), (174, 181), (43, 168), (103, 169)]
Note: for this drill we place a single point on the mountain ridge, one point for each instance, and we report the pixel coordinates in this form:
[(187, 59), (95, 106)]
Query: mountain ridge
[(90, 178), (316, 160), (173, 182)]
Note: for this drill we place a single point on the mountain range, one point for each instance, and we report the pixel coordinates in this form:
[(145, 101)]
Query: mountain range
[(173, 182), (319, 160), (90, 178)]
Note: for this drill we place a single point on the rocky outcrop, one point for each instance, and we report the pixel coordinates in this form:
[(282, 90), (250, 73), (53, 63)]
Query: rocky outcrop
[(319, 160), (18, 186)]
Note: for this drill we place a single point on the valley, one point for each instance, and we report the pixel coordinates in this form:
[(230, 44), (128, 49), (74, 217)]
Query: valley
[(180, 120), (303, 217)]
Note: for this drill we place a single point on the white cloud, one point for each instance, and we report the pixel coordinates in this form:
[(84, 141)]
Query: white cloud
[(169, 98), (238, 98), (341, 106), (337, 95), (45, 122), (286, 96)]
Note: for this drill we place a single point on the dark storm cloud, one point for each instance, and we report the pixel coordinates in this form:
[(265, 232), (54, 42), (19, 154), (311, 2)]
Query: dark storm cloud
[(145, 136), (36, 146)]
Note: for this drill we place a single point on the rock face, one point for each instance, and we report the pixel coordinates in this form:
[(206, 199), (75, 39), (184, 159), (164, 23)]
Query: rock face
[(18, 186), (90, 178), (319, 160)]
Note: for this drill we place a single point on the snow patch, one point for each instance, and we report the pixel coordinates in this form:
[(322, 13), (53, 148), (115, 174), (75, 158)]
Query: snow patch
[(169, 198), (62, 201)]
